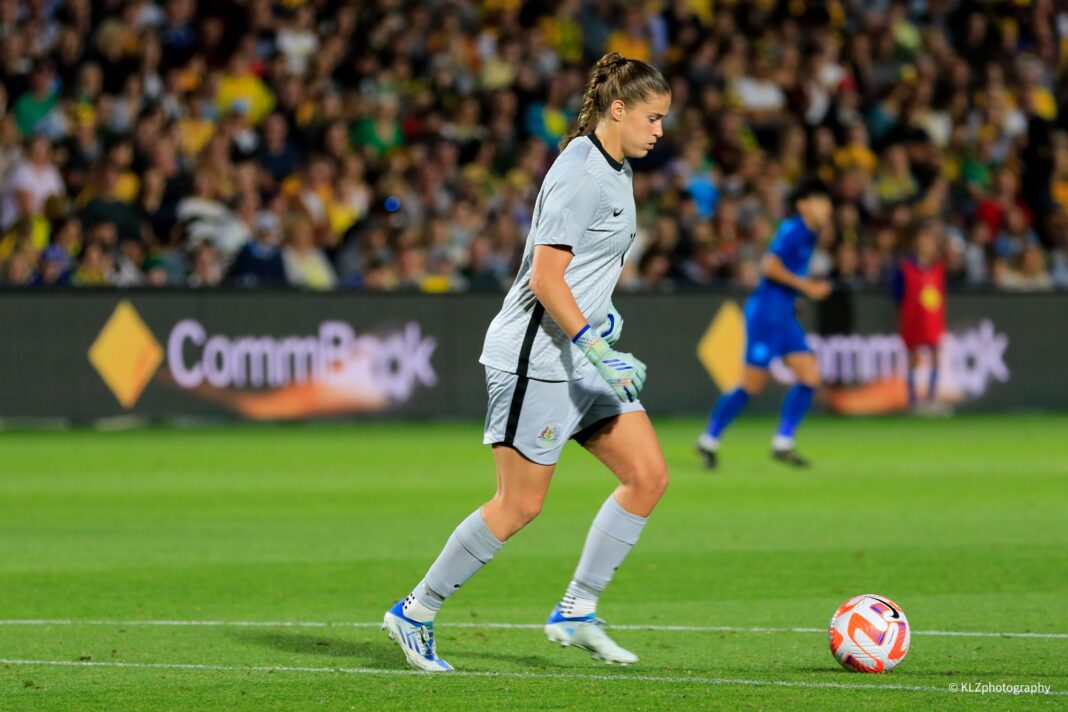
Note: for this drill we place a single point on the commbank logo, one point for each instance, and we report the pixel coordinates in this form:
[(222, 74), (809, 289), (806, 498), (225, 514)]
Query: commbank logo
[(331, 370), (126, 354)]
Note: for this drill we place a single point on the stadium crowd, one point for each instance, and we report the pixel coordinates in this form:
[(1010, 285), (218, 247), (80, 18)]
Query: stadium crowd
[(400, 145)]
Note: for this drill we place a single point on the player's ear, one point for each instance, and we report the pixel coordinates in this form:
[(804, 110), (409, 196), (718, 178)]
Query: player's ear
[(616, 110)]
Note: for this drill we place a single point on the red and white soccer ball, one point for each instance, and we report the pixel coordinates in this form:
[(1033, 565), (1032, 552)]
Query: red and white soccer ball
[(869, 633)]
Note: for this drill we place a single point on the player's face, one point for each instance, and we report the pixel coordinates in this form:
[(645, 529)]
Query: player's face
[(816, 210), (926, 244), (643, 125)]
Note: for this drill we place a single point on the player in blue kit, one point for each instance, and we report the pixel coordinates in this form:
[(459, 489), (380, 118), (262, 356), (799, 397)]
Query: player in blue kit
[(772, 328)]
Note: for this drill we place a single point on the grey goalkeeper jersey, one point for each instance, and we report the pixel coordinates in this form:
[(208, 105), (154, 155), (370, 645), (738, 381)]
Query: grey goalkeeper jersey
[(587, 203)]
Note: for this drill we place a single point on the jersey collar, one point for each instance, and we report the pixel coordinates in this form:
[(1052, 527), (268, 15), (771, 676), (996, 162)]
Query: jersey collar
[(611, 161)]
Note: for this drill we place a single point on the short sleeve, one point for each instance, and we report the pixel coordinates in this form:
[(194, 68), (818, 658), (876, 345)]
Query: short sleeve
[(784, 244), (567, 210)]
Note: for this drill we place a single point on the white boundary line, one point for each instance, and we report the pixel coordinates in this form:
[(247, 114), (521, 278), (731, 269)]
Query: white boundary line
[(513, 626), (622, 677)]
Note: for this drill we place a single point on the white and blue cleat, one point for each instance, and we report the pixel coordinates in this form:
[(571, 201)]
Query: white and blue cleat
[(587, 633), (415, 639)]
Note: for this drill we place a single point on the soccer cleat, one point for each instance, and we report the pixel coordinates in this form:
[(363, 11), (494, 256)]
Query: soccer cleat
[(415, 639), (587, 633), (789, 456), (707, 453)]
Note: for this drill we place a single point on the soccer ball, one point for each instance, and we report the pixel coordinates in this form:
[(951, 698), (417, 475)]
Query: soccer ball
[(869, 633)]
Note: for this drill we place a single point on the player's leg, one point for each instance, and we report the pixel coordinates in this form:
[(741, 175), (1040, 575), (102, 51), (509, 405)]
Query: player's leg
[(730, 404), (910, 374), (932, 378), (521, 488), (517, 412), (795, 406), (628, 446), (761, 344)]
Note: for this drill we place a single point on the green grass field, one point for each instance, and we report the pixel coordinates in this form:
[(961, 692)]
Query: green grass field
[(134, 564)]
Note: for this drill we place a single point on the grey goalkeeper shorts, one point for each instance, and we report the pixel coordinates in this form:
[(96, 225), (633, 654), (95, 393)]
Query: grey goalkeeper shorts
[(538, 417)]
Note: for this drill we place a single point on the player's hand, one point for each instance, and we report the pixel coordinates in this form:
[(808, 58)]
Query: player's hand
[(612, 328), (622, 372), (817, 289)]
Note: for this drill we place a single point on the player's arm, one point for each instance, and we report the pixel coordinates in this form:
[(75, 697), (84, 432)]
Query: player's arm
[(549, 286), (624, 373), (773, 268)]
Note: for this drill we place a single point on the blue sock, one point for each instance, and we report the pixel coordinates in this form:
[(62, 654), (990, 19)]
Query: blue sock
[(932, 384), (910, 383), (794, 407), (727, 409)]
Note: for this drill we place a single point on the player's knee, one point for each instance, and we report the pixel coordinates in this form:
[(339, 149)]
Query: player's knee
[(660, 480), (526, 510), (752, 385), (753, 381), (652, 479), (807, 371)]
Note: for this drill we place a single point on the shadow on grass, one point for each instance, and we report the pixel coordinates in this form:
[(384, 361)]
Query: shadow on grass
[(527, 662), (367, 653), (375, 654)]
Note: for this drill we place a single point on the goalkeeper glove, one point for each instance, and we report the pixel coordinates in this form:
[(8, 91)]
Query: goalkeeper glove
[(623, 373), (612, 328)]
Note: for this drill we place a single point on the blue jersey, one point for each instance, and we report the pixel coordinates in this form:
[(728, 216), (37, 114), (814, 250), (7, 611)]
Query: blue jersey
[(773, 301)]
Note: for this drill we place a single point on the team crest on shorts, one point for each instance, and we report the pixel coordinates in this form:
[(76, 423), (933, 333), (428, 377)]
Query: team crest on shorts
[(550, 434)]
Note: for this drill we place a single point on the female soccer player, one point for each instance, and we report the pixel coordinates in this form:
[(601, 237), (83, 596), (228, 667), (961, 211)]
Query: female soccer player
[(551, 376), (772, 328)]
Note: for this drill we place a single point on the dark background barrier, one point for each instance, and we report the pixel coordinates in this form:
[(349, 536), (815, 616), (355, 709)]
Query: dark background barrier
[(47, 336)]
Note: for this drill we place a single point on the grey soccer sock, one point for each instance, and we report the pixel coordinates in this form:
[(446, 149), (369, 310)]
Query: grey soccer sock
[(471, 546), (614, 532)]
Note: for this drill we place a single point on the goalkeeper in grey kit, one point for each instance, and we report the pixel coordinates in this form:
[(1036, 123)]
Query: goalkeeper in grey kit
[(552, 373)]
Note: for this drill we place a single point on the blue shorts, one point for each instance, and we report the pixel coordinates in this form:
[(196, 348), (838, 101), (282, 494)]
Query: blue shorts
[(766, 340)]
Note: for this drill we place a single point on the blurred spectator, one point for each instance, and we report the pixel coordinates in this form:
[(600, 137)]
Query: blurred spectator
[(380, 132), (19, 271), (298, 41), (129, 260), (412, 137), (95, 267), (38, 101), (54, 268), (240, 89), (277, 156), (206, 218), (32, 181), (478, 273), (305, 264), (259, 262), (1027, 273), (107, 206), (204, 269)]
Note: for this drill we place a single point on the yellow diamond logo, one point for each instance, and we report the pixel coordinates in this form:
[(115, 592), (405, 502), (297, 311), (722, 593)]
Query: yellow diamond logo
[(126, 354), (722, 349)]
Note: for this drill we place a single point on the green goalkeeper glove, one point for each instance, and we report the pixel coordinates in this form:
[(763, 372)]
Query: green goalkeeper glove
[(612, 328), (623, 373)]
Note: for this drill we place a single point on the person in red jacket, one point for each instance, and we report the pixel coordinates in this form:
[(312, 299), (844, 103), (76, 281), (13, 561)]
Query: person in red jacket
[(920, 290)]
